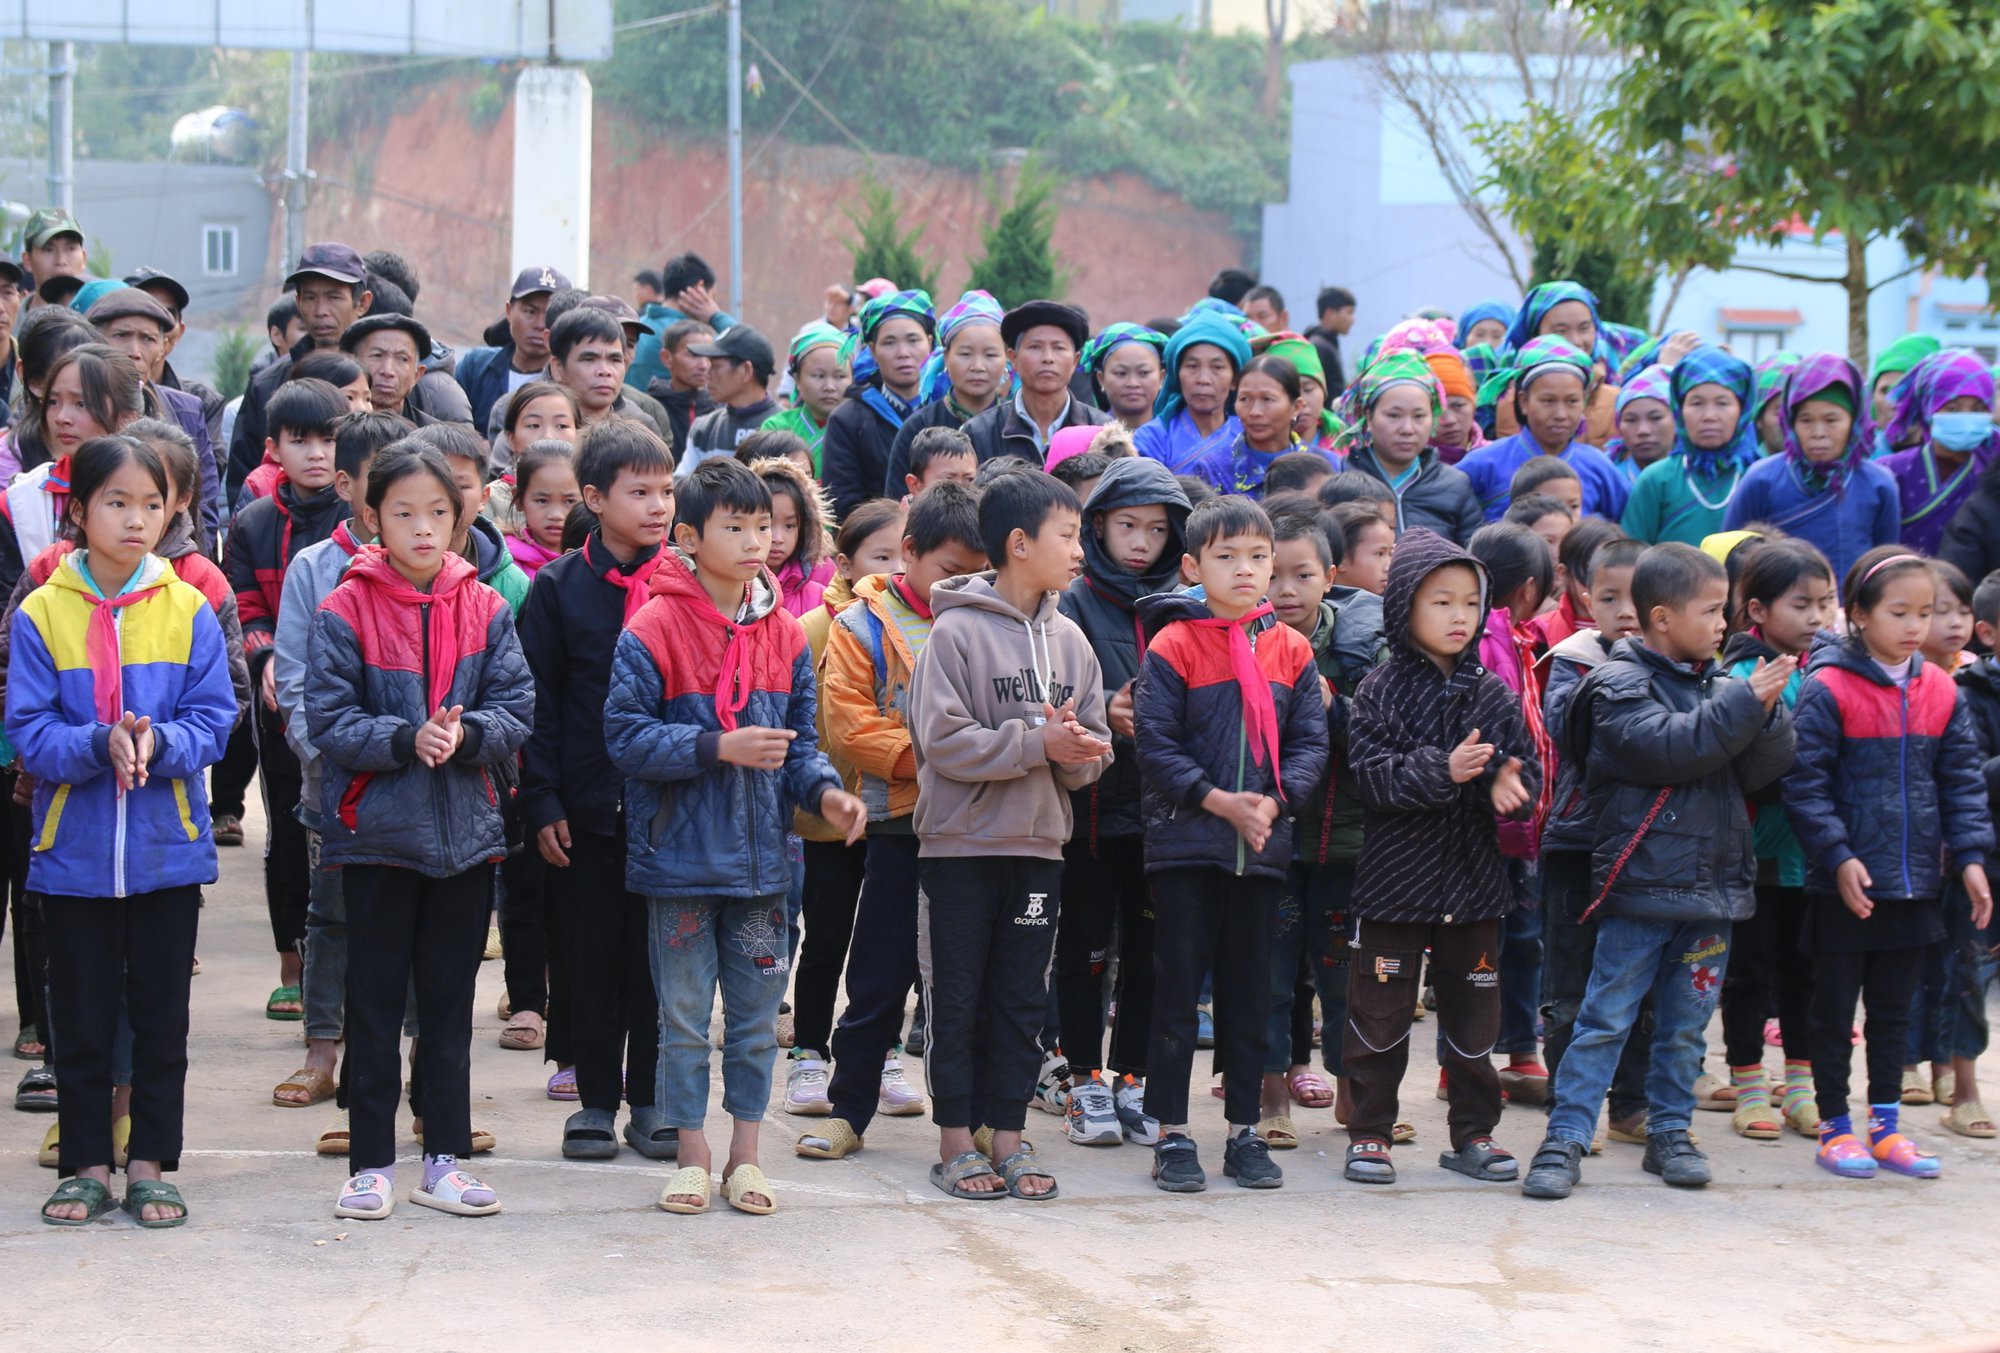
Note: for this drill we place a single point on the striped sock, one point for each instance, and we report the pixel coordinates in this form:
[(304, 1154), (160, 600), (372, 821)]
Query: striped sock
[(1749, 1083), (1798, 1083)]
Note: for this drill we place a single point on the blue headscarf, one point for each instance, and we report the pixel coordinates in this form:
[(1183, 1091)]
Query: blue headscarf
[(1117, 336), (1544, 298), (1214, 308), (855, 353), (1203, 328), (1485, 310), (1712, 366), (974, 307)]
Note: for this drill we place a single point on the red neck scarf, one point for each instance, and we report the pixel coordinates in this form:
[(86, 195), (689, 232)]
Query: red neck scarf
[(441, 618), (100, 645), (1260, 712), (910, 599), (637, 585)]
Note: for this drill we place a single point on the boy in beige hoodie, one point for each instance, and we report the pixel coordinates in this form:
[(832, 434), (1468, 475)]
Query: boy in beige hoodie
[(1006, 717)]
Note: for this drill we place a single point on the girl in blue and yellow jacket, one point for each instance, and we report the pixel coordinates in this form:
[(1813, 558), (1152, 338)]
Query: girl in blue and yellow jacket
[(118, 698)]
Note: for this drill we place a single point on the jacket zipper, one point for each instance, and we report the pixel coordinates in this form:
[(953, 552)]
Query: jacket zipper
[(1903, 780), (437, 805), (118, 845), (749, 787), (1242, 748)]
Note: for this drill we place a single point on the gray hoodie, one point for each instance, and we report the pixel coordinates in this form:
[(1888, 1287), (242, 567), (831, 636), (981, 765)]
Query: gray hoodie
[(985, 785)]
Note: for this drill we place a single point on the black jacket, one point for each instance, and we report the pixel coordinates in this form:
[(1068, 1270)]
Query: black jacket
[(682, 408), (1431, 852), (246, 440), (1440, 497), (1980, 684), (1682, 746), (1104, 603), (1002, 431), (1972, 537), (936, 414), (854, 453), (1329, 357), (569, 631)]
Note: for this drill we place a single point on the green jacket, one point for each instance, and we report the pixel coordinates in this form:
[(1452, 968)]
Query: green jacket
[(1667, 503)]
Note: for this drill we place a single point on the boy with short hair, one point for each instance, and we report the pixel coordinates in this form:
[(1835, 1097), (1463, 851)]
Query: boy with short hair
[(1669, 751), (872, 649), (1298, 471), (1439, 749), (1006, 715), (938, 454), (266, 536), (711, 718), (572, 802), (1551, 476), (1368, 539), (1232, 737), (475, 536)]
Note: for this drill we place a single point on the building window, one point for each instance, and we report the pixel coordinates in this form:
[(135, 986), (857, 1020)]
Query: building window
[(218, 250), (1754, 345)]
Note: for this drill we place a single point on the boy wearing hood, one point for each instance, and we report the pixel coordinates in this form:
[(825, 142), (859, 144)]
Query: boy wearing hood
[(1007, 715), (1232, 736), (1440, 751), (1134, 523)]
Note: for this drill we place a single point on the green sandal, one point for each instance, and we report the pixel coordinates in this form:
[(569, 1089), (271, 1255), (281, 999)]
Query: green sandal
[(95, 1197), (140, 1192), (285, 996)]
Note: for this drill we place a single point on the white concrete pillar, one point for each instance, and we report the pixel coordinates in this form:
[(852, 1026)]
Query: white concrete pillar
[(552, 171)]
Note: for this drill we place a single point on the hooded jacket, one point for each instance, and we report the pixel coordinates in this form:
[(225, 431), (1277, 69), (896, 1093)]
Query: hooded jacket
[(985, 785), (266, 536), (308, 582), (1439, 496), (864, 694), (1104, 603), (1347, 645), (383, 658), (88, 839), (1979, 682), (1887, 774), (1194, 736), (695, 825), (498, 568), (1431, 851)]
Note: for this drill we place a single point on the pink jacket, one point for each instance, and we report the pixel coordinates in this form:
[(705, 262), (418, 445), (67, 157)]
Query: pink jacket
[(799, 592)]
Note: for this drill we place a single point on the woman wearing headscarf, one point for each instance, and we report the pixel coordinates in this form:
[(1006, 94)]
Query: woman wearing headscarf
[(1823, 489), (1769, 410), (814, 366), (962, 379), (1550, 380), (1457, 431), (1390, 413), (1685, 496), (1944, 413), (1568, 311), (895, 332), (1891, 365), (1192, 418), (1127, 366), (1645, 423), (1487, 322), (1314, 423)]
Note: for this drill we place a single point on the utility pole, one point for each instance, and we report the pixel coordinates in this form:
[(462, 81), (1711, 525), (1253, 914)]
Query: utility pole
[(62, 146), (736, 158), (295, 161)]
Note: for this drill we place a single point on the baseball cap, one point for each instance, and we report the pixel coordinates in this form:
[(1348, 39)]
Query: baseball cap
[(10, 271), (537, 278), (621, 310), (153, 278), (740, 344), (330, 259), (123, 302), (57, 290), (48, 223), (351, 336)]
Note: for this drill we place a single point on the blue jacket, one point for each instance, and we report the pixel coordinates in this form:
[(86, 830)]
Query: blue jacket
[(482, 374), (659, 316), (88, 839), (1867, 511), (695, 825), (1491, 469), (1887, 774)]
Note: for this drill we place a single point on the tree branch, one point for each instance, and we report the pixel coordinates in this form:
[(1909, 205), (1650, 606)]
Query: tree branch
[(1790, 276), (1874, 287)]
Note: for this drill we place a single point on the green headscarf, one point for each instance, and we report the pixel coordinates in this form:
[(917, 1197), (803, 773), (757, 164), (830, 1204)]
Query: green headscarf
[(1901, 355)]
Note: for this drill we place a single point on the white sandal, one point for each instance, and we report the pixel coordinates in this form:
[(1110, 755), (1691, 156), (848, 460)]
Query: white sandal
[(690, 1181), (366, 1185), (448, 1195)]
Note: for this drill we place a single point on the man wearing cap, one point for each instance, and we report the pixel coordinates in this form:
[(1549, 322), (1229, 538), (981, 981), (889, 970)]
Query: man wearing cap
[(174, 297), (520, 350), (137, 325), (739, 380), (332, 292), (1043, 339), (685, 281), (635, 329), (52, 246), (11, 292), (391, 349)]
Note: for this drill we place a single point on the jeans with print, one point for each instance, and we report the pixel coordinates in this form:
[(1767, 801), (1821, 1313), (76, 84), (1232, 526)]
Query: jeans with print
[(698, 944)]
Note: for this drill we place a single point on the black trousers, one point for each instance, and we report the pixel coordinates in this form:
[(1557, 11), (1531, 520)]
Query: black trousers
[(229, 779), (614, 1013), (30, 965), (882, 968), (827, 910), (402, 925), (986, 930), (524, 935), (1886, 982), (1104, 885), (1764, 957), (1381, 999), (99, 948), (287, 872), (1569, 952), (1209, 920)]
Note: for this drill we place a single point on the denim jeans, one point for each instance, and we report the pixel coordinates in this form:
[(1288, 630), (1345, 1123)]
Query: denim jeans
[(1312, 926), (1521, 964), (1973, 972), (324, 985), (1681, 963), (795, 895), (698, 943)]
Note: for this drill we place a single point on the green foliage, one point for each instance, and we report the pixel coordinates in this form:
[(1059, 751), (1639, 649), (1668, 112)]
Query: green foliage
[(485, 103), (1020, 262), (1624, 296), (235, 350), (881, 248)]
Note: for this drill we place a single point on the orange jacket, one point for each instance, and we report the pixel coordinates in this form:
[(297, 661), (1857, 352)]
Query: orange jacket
[(864, 709), (816, 623)]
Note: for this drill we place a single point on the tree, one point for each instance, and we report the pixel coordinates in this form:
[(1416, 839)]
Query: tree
[(235, 350), (1020, 262), (1624, 292), (881, 248)]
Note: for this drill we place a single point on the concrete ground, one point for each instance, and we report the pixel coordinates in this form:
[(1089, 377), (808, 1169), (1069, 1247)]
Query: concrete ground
[(866, 1254)]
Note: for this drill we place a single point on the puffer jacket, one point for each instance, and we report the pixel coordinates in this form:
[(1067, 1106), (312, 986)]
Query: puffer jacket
[(1439, 496), (1669, 751), (88, 839), (1193, 738), (1979, 683), (864, 697), (382, 659), (1104, 602), (264, 539), (695, 825), (1347, 646), (1431, 851), (1571, 825), (1887, 774)]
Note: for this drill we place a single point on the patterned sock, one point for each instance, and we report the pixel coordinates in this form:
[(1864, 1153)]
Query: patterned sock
[(1749, 1083), (1798, 1083), (1881, 1122), (436, 1168), (1840, 1126)]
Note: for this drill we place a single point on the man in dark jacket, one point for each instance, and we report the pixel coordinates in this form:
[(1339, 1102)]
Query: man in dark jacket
[(683, 391), (489, 374), (171, 294), (1972, 538), (1670, 747), (740, 363), (1043, 339)]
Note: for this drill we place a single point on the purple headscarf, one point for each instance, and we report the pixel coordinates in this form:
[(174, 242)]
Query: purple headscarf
[(1931, 384), (1819, 372)]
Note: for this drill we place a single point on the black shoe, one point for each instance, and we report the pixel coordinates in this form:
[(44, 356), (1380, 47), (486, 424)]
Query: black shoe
[(1674, 1158), (1556, 1169), (1247, 1160), (1177, 1166), (919, 1037)]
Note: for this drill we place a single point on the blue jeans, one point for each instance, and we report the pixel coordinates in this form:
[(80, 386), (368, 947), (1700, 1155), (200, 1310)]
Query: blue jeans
[(324, 982), (1681, 964), (795, 894), (1521, 964), (1312, 922), (698, 943)]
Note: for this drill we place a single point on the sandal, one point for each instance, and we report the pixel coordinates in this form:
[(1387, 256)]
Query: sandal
[(834, 1139), (651, 1138), (1917, 1090), (1023, 1165), (1944, 1087), (483, 1140), (1756, 1119), (1368, 1162), (1309, 1090), (37, 1091), (448, 1195), (1714, 1094), (28, 1045), (1483, 1159), (1278, 1133), (143, 1193), (50, 1156), (523, 1033), (690, 1181), (493, 949), (316, 1085), (335, 1140), (285, 1003), (1899, 1155), (95, 1197), (1968, 1118), (1402, 1134), (1630, 1130), (982, 1142), (951, 1177), (362, 1186), (1845, 1156), (562, 1085), (743, 1181), (590, 1134), (121, 1142)]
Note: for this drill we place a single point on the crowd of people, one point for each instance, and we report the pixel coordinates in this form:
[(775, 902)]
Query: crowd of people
[(1116, 691)]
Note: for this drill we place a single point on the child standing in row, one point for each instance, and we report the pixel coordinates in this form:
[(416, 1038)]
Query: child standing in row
[(545, 489)]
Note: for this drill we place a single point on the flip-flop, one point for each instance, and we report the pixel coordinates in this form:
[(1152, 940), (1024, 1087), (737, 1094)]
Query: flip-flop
[(285, 996), (1022, 1165), (318, 1086), (95, 1197), (590, 1134), (139, 1193), (950, 1177)]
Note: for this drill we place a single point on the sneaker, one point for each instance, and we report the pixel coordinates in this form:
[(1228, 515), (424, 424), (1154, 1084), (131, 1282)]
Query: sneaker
[(1556, 1169), (1204, 1027), (1675, 1159), (1177, 1166), (1052, 1086), (899, 1098), (805, 1087), (1092, 1117), (1140, 1128), (227, 830), (1246, 1158), (1526, 1082)]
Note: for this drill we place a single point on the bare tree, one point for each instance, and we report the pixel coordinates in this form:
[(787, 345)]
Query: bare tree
[(1277, 17)]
